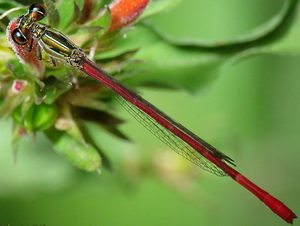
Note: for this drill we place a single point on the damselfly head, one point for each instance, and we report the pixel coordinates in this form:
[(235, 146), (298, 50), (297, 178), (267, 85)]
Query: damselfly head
[(20, 35), (37, 12)]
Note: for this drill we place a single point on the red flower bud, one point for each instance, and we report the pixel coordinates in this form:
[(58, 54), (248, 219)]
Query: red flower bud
[(18, 85), (124, 12)]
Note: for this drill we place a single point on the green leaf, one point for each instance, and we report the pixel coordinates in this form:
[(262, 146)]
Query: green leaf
[(284, 41), (53, 15), (74, 18), (251, 37), (65, 8), (130, 41), (170, 66), (103, 21), (176, 64), (158, 6), (95, 29)]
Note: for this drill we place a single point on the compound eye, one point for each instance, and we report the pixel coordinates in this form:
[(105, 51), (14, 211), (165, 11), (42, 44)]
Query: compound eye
[(37, 12), (18, 37)]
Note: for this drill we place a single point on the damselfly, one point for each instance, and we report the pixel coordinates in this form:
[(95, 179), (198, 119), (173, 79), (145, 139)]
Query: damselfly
[(58, 47)]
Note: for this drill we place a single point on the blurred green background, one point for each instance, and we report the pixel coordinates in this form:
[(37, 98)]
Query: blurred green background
[(251, 112)]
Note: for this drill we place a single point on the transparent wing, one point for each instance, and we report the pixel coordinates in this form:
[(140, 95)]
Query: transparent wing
[(172, 133), (169, 138)]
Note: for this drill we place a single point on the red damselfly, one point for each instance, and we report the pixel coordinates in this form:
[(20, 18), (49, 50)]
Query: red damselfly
[(40, 37)]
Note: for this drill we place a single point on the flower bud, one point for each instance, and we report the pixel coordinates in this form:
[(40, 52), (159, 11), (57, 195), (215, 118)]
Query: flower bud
[(85, 157), (124, 12), (37, 118)]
